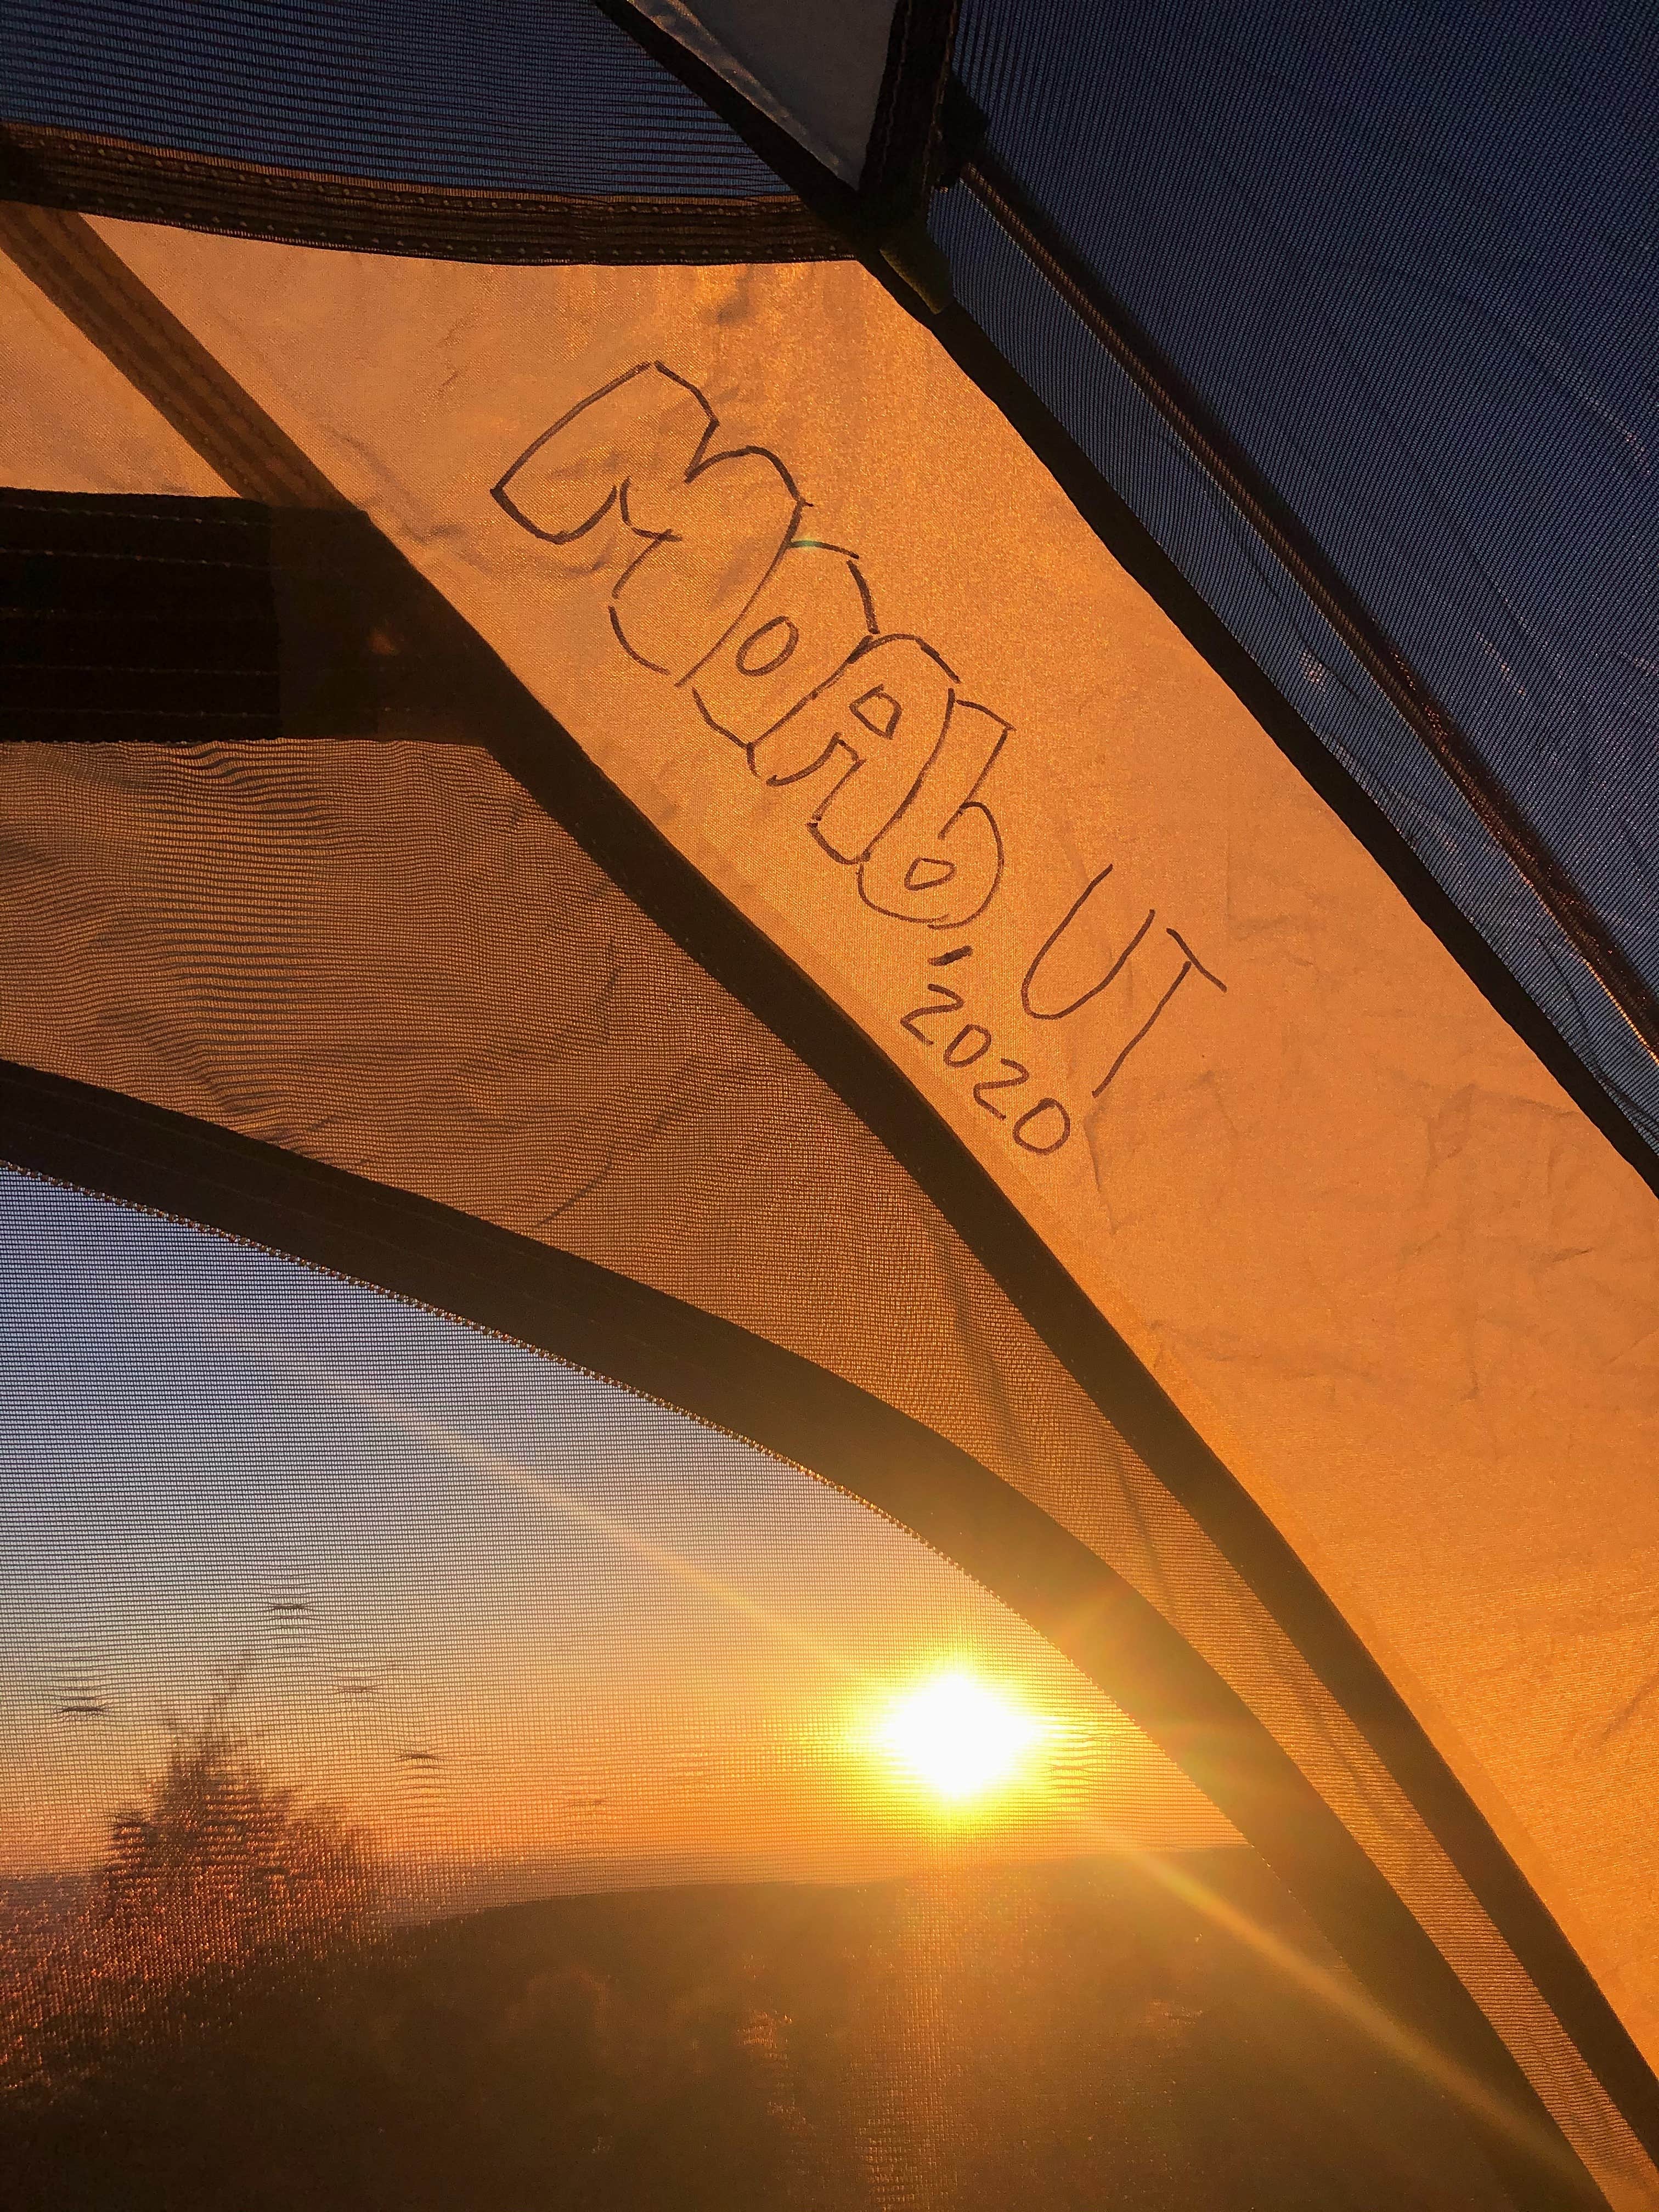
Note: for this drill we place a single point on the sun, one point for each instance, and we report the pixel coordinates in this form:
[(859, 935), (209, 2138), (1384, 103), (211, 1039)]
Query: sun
[(957, 1736)]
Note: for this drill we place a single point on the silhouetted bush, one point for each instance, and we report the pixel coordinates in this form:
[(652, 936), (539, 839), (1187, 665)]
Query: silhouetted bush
[(217, 1875), (218, 1866)]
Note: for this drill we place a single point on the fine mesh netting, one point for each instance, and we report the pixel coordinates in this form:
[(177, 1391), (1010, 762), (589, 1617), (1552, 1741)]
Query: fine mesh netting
[(613, 1644), (1405, 258), (436, 1776), (550, 97)]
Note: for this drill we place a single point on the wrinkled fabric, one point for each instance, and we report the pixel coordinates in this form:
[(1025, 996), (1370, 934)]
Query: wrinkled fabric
[(68, 421), (1014, 825)]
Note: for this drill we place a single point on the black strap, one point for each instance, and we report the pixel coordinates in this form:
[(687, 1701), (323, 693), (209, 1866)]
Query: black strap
[(90, 174)]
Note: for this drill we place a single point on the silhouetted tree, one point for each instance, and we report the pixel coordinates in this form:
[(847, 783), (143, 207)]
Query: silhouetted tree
[(215, 1874), (218, 1866)]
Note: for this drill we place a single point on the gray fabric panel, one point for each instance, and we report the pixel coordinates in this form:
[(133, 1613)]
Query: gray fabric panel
[(816, 71)]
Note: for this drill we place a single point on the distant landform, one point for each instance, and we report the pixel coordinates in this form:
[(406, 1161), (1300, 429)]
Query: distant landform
[(1079, 2034)]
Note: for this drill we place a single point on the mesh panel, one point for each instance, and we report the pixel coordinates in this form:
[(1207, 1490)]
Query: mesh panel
[(267, 936), (436, 1776), (1342, 236), (535, 95), (177, 632)]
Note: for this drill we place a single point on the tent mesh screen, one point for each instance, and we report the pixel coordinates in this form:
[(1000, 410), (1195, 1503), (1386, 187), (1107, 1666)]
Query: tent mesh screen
[(278, 938), (436, 1776), (550, 97)]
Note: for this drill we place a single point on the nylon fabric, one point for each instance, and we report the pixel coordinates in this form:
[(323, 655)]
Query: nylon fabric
[(1371, 1249), (275, 938), (546, 97), (68, 420)]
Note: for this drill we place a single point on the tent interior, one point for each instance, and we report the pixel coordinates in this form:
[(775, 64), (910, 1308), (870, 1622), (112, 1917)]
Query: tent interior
[(829, 1106)]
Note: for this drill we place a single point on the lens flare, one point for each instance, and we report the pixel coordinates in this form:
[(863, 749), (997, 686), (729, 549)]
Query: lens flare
[(957, 1736)]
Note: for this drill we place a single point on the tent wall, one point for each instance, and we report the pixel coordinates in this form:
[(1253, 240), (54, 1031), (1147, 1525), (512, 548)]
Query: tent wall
[(393, 980), (526, 1047), (73, 423), (1341, 1166)]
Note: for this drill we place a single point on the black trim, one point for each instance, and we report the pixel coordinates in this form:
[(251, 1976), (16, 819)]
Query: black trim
[(902, 159), (1281, 530), (91, 175), (578, 1311)]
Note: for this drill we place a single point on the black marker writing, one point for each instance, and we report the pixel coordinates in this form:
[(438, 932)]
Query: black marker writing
[(776, 639), (866, 737), (1071, 968)]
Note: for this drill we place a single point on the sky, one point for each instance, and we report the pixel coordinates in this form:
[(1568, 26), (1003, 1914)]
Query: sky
[(538, 1633)]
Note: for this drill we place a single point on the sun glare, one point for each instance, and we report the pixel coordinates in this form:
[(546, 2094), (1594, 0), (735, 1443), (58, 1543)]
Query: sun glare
[(957, 1736)]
